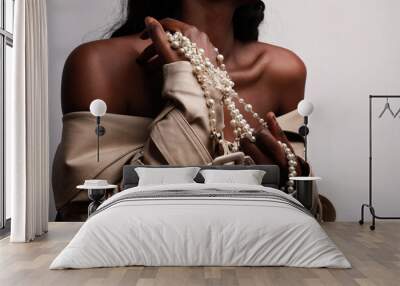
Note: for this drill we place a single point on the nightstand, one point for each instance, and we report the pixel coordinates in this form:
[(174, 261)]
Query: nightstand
[(304, 190), (98, 192)]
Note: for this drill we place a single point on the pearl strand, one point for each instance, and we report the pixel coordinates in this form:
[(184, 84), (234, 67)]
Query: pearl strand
[(210, 76), (291, 157)]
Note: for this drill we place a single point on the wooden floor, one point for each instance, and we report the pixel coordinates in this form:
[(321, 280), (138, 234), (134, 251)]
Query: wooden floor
[(375, 257)]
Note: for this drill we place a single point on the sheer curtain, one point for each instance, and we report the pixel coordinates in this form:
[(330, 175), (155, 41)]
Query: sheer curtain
[(27, 122)]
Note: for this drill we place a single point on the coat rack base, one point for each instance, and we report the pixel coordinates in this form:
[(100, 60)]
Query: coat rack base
[(374, 216)]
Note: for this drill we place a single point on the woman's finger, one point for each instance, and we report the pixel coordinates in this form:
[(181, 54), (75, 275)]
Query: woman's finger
[(278, 133), (155, 64), (173, 25), (273, 126), (168, 24), (268, 144), (159, 38), (148, 53), (276, 129), (156, 33), (250, 149)]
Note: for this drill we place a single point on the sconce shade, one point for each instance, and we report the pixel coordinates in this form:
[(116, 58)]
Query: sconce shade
[(98, 107), (305, 108)]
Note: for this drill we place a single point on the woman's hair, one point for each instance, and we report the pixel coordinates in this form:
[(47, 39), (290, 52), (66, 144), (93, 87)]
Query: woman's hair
[(246, 19)]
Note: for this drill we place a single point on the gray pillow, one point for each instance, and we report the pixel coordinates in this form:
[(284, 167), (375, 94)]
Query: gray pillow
[(166, 176), (244, 177)]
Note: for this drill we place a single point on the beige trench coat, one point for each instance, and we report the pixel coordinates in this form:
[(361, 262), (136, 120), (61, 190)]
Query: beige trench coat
[(178, 136)]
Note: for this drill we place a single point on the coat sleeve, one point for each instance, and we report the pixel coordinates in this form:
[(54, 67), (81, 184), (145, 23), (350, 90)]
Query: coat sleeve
[(180, 135)]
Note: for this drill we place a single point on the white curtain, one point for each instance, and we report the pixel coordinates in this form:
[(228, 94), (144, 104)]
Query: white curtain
[(27, 124)]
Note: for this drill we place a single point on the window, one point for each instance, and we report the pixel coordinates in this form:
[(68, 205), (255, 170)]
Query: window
[(6, 62)]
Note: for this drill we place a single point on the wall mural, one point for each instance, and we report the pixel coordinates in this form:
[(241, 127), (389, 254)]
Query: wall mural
[(172, 89)]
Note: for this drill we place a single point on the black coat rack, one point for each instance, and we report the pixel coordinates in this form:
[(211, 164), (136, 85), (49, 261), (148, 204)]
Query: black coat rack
[(370, 203)]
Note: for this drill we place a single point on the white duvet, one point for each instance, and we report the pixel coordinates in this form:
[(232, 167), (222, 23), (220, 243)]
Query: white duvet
[(200, 231)]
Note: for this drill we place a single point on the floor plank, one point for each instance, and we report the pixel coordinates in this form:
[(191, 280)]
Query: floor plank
[(375, 257)]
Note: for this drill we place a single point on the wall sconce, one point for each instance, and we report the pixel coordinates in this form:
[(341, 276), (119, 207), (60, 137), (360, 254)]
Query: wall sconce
[(98, 108), (305, 108)]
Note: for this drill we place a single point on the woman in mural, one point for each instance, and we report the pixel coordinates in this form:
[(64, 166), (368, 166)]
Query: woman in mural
[(157, 111)]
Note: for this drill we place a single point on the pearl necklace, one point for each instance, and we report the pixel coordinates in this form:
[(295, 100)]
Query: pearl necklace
[(210, 76), (291, 157)]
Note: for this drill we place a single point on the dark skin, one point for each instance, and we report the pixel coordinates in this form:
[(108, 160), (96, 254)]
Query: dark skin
[(126, 72)]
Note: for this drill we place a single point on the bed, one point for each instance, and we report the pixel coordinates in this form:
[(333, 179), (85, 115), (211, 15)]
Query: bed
[(199, 224)]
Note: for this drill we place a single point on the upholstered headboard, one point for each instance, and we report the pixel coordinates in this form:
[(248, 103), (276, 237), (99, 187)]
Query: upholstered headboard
[(130, 178)]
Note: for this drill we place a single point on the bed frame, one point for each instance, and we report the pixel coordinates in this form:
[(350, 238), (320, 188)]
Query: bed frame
[(130, 178)]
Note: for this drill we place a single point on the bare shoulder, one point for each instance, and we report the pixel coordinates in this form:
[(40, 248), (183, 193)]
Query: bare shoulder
[(90, 68), (278, 64), (113, 48), (281, 63), (282, 72)]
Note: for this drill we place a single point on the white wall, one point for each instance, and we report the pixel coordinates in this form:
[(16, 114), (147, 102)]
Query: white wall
[(351, 49), (70, 23)]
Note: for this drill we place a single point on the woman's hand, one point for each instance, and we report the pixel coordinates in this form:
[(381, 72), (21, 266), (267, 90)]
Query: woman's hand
[(266, 149), (160, 52)]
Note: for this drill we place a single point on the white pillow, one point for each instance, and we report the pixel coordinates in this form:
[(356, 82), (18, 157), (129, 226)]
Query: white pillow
[(244, 177), (166, 176)]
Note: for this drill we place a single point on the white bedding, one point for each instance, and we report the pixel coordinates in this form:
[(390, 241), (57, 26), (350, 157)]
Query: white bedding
[(200, 231)]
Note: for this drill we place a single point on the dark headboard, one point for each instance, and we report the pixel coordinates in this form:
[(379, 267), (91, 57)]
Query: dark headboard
[(130, 178)]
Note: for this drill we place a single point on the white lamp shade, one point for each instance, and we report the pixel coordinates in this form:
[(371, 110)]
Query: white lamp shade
[(98, 107), (305, 108)]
